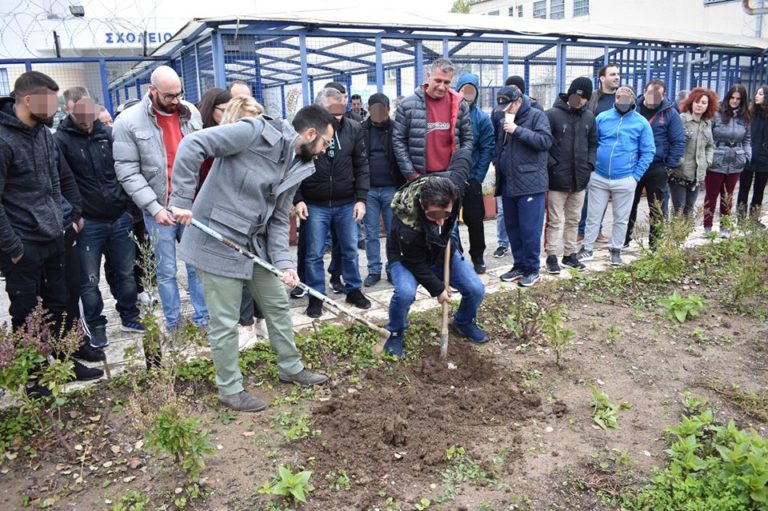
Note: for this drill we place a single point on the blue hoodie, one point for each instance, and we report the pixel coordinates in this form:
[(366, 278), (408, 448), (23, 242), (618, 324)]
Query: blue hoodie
[(625, 145), (482, 129), (668, 132)]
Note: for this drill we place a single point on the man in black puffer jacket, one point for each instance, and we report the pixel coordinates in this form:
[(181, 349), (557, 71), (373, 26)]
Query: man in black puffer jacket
[(87, 146), (425, 212), (431, 124), (571, 162), (334, 197)]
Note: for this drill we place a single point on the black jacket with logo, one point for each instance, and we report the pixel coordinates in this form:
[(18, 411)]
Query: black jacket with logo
[(386, 128), (341, 172)]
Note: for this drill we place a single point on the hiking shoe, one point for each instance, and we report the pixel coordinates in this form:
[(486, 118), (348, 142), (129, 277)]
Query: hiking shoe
[(298, 292), (616, 257), (529, 280), (512, 275), (358, 299), (315, 307), (572, 261), (133, 327), (85, 373), (479, 266), (552, 266), (99, 338), (602, 238), (394, 345), (501, 251), (372, 279), (336, 284), (89, 353), (242, 402), (471, 332), (584, 255), (305, 378)]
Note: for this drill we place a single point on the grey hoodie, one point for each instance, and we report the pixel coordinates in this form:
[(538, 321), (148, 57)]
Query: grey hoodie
[(247, 196)]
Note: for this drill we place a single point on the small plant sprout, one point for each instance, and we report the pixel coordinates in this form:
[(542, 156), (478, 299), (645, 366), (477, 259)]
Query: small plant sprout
[(683, 308), (292, 486), (606, 414)]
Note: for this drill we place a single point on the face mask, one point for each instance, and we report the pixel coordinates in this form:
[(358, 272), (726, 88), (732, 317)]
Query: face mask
[(624, 107), (574, 101)]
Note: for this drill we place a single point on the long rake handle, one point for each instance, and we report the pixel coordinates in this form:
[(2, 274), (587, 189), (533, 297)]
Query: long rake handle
[(446, 306), (383, 333)]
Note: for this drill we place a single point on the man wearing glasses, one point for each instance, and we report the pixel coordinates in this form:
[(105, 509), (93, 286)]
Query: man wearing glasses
[(425, 212), (146, 137)]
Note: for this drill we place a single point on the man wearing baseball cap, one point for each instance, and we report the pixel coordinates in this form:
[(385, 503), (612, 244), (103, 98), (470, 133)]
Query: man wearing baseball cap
[(522, 150), (571, 161), (625, 149)]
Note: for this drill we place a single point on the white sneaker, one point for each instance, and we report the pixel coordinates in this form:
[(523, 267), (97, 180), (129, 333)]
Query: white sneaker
[(260, 329), (246, 337)]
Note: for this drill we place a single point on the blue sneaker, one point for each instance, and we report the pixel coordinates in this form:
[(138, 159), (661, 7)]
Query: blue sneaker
[(472, 332), (133, 327), (99, 338), (512, 275), (394, 345), (529, 280)]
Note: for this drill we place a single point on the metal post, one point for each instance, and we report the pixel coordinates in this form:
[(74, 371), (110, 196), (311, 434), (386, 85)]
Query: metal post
[(379, 67), (259, 93), (686, 78), (418, 70), (312, 88), (107, 99), (670, 73), (138, 88), (282, 101), (117, 98), (28, 66), (527, 73), (219, 70), (648, 73), (606, 55), (304, 73), (446, 49), (560, 68), (198, 75), (505, 61), (399, 81)]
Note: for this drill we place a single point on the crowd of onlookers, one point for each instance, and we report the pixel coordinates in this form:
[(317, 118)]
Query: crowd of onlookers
[(81, 198)]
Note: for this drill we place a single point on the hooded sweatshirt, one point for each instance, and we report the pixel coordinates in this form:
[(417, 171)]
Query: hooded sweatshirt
[(482, 131)]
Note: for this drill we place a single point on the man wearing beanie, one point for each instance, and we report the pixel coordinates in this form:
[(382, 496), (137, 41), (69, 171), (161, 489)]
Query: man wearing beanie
[(625, 149), (670, 140), (571, 161), (385, 180)]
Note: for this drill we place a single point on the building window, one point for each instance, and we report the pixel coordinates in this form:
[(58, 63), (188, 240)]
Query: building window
[(540, 9), (5, 85), (511, 12), (519, 11), (580, 8), (493, 13), (557, 9)]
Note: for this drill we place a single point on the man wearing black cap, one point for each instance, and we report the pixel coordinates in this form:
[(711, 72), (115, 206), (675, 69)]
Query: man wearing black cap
[(385, 179), (571, 161), (522, 150)]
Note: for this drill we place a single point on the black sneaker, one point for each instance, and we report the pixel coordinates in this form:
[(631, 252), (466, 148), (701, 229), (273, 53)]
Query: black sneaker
[(501, 251), (616, 257), (298, 292), (358, 299), (36, 391), (315, 307), (479, 266), (336, 284), (372, 279), (585, 255), (90, 354), (512, 275), (572, 261), (361, 245), (552, 266), (85, 373)]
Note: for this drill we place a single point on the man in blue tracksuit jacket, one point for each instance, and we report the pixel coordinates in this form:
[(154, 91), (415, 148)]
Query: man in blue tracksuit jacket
[(625, 149), (483, 146)]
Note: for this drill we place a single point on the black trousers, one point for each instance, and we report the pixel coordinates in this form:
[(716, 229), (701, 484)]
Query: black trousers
[(140, 231), (654, 181), (473, 215), (71, 278), (745, 183), (39, 273)]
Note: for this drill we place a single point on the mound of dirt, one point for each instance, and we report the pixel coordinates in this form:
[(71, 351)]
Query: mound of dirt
[(402, 421)]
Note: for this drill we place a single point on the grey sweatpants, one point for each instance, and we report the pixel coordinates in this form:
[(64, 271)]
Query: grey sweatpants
[(621, 192)]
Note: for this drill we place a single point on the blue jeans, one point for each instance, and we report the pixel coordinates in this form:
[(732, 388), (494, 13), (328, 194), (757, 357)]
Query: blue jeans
[(318, 223), (164, 238), (334, 267), (96, 238), (501, 229), (524, 218), (463, 278), (379, 205)]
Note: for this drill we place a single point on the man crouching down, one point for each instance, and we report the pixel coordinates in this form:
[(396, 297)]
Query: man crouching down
[(259, 163), (425, 212)]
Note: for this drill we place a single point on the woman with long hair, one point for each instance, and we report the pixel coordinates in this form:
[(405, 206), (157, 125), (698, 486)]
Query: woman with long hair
[(697, 112), (211, 107), (730, 130), (757, 168)]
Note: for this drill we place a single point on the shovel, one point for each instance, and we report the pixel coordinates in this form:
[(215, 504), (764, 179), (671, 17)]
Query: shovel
[(447, 305), (331, 304)]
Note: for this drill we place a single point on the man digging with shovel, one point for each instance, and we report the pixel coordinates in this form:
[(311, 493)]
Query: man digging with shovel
[(425, 212), (247, 198)]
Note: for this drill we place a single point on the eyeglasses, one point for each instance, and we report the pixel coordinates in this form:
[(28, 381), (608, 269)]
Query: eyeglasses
[(438, 214), (170, 97), (219, 108), (326, 143)]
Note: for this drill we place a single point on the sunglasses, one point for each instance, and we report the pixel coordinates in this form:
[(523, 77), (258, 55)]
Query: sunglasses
[(438, 214)]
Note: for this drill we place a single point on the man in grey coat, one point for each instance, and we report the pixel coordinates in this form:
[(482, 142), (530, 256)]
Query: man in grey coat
[(146, 139), (247, 197), (431, 124)]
